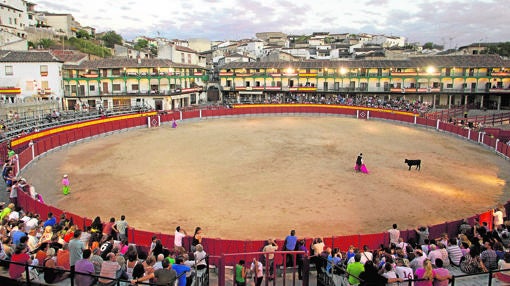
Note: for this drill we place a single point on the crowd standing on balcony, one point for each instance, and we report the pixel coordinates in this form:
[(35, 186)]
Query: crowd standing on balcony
[(395, 103)]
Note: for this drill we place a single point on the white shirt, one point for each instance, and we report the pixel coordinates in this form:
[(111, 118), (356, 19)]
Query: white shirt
[(405, 273), (394, 235), (178, 238), (498, 218)]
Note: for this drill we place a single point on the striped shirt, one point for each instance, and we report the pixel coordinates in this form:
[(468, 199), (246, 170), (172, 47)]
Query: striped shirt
[(455, 254)]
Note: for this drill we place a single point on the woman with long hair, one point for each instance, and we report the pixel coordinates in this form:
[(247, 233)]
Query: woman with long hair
[(425, 275), (197, 238)]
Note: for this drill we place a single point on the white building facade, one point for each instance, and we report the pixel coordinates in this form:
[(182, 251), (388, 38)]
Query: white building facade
[(31, 74)]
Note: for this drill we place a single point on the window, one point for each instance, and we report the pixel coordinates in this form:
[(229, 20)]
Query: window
[(116, 87), (189, 58), (30, 84), (449, 85), (134, 87), (44, 70), (116, 72), (8, 70), (182, 58), (92, 88)]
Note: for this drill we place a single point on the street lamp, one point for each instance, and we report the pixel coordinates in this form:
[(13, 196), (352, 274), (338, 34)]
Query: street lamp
[(430, 70)]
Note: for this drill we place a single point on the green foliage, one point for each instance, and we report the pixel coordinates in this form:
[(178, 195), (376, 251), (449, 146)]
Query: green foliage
[(502, 49), (31, 44), (154, 49), (111, 38), (89, 47), (302, 39), (141, 44), (82, 34), (428, 45), (45, 43)]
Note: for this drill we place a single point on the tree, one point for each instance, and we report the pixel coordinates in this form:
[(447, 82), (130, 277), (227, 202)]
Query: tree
[(154, 49), (502, 49), (45, 43), (82, 34), (141, 44), (428, 45), (111, 38)]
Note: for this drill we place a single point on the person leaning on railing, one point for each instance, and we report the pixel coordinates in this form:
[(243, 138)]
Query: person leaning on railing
[(164, 276), (20, 256)]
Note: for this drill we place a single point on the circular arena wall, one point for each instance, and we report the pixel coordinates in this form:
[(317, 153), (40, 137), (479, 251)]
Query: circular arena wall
[(336, 221)]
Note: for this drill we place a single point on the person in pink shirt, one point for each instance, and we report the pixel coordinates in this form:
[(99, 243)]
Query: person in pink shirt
[(442, 275), (65, 185), (425, 274)]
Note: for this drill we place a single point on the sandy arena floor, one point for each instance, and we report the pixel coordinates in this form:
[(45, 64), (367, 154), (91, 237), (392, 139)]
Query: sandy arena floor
[(259, 177)]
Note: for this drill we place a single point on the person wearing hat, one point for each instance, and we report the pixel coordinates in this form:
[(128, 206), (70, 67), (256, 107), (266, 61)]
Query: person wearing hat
[(65, 185)]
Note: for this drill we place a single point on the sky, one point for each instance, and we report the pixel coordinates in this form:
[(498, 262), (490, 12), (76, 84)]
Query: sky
[(452, 23)]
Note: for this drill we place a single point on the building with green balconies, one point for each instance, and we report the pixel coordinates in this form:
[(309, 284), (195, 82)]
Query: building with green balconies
[(480, 81), (121, 82)]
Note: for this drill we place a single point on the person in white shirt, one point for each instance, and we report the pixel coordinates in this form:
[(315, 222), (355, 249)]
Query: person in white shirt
[(403, 271), (366, 255), (434, 254), (389, 273), (394, 234), (257, 269), (180, 233), (498, 217)]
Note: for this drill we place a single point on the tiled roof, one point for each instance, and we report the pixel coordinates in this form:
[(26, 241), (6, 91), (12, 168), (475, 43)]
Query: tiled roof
[(28, 57), (413, 62), (132, 63), (69, 56), (184, 49)]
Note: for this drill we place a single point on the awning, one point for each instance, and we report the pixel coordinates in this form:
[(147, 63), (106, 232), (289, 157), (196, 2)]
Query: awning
[(250, 92), (10, 90)]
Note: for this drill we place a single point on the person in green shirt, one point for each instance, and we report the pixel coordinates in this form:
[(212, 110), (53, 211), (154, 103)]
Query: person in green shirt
[(355, 269), (240, 273), (6, 211)]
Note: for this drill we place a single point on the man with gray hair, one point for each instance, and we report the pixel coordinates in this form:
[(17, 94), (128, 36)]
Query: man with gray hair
[(159, 261)]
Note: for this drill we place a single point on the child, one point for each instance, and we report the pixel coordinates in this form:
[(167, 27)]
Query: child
[(65, 185)]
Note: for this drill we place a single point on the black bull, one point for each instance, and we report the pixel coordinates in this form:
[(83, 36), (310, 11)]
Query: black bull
[(411, 163)]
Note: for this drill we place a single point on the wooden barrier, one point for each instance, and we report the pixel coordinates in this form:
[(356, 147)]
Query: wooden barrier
[(49, 139)]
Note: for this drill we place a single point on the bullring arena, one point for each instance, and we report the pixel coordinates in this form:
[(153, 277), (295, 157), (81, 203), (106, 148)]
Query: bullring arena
[(252, 178)]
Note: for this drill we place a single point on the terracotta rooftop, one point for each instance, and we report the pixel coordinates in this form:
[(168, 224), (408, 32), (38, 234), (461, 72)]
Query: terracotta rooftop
[(184, 49), (68, 56)]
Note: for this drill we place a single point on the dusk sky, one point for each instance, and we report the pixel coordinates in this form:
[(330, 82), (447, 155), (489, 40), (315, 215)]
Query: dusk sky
[(452, 23)]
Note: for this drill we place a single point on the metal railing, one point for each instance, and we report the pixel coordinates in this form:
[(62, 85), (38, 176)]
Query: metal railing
[(200, 278)]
